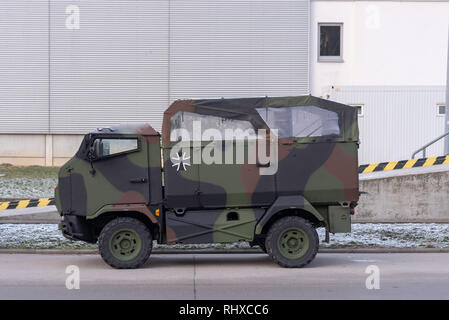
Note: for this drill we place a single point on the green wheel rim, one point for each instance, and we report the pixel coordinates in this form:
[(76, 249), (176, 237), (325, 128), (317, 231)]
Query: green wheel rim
[(125, 244), (293, 243)]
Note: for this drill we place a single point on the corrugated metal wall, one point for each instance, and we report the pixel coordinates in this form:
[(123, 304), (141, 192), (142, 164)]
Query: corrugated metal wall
[(113, 69), (24, 66), (130, 58), (238, 48), (396, 120)]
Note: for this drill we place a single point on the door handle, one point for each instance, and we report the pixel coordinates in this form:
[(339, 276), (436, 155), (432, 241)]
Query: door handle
[(138, 180), (263, 165)]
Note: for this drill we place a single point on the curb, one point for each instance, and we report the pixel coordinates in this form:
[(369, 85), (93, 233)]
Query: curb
[(48, 251), (235, 251)]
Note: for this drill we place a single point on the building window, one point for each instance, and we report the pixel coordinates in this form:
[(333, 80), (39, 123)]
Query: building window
[(359, 108), (441, 110), (330, 42)]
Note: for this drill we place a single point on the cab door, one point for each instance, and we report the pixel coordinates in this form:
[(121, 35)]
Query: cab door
[(119, 174)]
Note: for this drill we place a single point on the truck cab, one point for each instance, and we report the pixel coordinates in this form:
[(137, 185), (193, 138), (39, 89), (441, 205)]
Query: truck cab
[(268, 171)]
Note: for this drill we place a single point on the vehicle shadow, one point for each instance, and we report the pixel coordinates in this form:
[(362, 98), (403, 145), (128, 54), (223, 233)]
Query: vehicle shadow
[(235, 259), (157, 261), (200, 259)]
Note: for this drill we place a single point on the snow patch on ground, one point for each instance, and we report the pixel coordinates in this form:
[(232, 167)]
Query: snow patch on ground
[(389, 235), (37, 236), (409, 235), (27, 188)]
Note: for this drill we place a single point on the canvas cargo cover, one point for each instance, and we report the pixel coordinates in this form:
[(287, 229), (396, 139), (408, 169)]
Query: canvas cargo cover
[(294, 117)]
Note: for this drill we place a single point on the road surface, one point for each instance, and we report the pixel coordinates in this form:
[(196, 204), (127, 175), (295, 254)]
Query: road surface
[(227, 276)]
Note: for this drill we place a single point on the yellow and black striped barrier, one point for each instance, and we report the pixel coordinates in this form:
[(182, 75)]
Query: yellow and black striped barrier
[(20, 204), (404, 164)]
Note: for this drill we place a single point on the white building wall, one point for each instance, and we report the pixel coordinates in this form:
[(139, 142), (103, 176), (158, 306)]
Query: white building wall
[(385, 43), (394, 63), (396, 120), (73, 66), (238, 48), (105, 72), (24, 66), (111, 68)]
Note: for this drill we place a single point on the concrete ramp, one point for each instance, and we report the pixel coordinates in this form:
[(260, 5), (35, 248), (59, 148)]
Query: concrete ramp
[(418, 194), (31, 215)]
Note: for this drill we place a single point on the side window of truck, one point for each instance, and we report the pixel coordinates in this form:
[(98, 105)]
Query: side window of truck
[(301, 121), (182, 125), (106, 147)]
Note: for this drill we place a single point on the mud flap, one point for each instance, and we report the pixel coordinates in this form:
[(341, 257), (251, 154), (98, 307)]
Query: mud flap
[(339, 219)]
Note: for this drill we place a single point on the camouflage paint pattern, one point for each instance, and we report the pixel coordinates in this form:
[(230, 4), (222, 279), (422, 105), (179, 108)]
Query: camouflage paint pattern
[(87, 189), (216, 202)]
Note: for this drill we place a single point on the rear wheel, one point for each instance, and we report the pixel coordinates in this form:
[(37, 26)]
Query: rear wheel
[(125, 243), (292, 242)]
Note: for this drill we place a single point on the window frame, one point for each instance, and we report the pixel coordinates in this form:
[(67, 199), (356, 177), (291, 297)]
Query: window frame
[(137, 149), (207, 142), (320, 58), (438, 109), (362, 108), (317, 139)]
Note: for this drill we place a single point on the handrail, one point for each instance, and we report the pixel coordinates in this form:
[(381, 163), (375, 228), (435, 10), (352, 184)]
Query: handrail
[(424, 147)]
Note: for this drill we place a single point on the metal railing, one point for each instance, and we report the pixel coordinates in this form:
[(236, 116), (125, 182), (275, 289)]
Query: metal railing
[(424, 147)]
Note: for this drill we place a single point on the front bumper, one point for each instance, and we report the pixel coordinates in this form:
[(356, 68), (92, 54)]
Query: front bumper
[(77, 228)]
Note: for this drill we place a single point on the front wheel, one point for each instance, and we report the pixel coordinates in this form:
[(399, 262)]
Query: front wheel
[(125, 243), (292, 242)]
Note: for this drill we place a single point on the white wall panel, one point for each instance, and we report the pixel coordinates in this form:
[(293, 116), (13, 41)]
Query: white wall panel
[(113, 69), (23, 66), (130, 58), (225, 48), (385, 43), (396, 120)]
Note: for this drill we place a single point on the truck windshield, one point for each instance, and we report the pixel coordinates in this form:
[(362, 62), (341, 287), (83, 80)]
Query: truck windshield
[(111, 146)]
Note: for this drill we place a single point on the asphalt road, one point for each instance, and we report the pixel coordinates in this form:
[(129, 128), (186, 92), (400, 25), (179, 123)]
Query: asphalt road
[(227, 276)]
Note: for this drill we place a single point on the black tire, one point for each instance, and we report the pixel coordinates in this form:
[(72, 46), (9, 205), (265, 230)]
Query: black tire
[(137, 232), (278, 235)]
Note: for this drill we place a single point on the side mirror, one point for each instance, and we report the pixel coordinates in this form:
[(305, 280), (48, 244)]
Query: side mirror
[(93, 153)]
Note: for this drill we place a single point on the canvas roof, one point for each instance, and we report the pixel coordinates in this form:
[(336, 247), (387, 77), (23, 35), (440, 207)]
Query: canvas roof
[(246, 109)]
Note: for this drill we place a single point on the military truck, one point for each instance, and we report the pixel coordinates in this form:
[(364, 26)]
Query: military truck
[(128, 186)]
